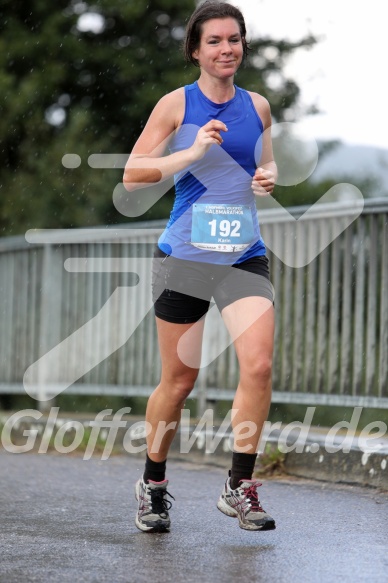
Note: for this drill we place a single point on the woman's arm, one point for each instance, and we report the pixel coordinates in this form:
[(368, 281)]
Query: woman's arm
[(147, 164), (263, 182)]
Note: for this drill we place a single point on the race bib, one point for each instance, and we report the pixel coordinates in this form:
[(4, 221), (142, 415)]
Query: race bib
[(222, 227)]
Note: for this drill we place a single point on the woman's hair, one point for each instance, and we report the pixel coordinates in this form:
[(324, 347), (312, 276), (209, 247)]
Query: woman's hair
[(206, 11)]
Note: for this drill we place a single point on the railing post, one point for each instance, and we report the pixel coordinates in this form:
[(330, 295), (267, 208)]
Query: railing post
[(46, 317)]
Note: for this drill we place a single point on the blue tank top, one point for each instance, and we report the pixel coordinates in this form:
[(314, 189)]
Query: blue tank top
[(214, 216)]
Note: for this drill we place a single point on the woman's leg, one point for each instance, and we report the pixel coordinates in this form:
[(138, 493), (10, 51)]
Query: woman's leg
[(250, 322), (163, 414), (177, 380)]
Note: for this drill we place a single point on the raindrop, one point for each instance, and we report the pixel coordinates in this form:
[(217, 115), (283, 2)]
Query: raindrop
[(86, 78), (163, 19), (178, 33), (64, 100), (124, 41)]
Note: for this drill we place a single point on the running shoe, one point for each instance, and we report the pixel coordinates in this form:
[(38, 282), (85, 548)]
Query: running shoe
[(152, 514), (243, 503)]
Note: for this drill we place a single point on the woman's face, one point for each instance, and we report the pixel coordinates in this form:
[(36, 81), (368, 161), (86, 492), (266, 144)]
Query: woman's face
[(220, 50)]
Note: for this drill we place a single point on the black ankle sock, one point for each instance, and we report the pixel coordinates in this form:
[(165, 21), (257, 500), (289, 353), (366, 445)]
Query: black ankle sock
[(242, 468), (155, 471)]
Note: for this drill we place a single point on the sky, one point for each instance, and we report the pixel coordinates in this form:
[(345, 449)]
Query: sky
[(344, 74)]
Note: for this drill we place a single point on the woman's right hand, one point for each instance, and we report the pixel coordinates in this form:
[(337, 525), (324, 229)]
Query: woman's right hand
[(208, 135)]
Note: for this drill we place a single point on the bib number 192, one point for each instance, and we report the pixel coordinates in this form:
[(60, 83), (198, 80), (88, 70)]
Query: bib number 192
[(225, 228)]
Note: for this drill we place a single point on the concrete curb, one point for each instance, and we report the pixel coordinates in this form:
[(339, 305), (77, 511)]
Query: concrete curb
[(309, 457), (312, 454), (353, 467)]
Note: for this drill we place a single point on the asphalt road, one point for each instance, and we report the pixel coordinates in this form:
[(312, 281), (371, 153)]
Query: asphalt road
[(63, 519)]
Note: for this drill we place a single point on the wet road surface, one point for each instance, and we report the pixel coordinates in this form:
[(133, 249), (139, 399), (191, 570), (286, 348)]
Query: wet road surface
[(65, 519)]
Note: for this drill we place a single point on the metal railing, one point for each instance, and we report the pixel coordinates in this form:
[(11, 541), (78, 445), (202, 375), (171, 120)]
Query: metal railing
[(79, 300)]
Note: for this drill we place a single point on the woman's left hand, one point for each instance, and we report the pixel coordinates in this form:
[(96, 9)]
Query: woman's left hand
[(263, 182)]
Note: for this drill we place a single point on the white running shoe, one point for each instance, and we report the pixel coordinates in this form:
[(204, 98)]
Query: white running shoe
[(152, 514), (243, 503)]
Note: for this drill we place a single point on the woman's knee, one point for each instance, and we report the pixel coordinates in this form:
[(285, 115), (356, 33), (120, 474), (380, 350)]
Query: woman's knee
[(180, 387), (259, 369)]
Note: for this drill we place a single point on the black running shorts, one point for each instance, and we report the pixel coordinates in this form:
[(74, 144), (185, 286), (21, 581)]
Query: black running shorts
[(182, 290)]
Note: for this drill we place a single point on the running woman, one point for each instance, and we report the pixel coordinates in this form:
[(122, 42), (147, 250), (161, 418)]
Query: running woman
[(220, 154)]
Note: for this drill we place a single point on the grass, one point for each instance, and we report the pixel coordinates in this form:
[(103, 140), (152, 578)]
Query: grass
[(270, 462), (66, 440)]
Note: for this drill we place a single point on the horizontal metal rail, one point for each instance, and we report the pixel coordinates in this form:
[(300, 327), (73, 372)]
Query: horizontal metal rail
[(75, 294)]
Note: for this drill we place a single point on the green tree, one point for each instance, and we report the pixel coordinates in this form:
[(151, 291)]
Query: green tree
[(82, 78)]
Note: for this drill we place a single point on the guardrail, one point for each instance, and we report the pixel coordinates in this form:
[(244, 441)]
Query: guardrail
[(77, 304)]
